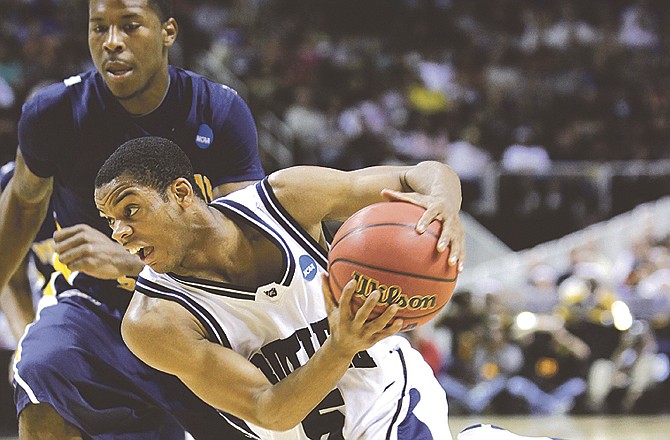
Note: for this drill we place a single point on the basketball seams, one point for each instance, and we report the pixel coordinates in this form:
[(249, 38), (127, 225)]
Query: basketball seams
[(391, 271), (377, 225)]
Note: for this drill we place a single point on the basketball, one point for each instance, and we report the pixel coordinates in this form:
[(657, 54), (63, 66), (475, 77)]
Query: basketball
[(379, 247)]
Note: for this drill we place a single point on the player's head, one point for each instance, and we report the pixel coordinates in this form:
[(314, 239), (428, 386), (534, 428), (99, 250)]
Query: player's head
[(150, 161), (129, 42), (146, 190)]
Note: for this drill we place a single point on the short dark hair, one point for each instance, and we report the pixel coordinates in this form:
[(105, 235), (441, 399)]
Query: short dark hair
[(151, 161), (164, 8)]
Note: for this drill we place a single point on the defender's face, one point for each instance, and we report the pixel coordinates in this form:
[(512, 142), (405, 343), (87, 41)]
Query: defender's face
[(128, 45), (143, 222)]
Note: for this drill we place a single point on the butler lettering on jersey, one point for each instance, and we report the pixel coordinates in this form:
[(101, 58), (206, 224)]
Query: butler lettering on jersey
[(280, 357)]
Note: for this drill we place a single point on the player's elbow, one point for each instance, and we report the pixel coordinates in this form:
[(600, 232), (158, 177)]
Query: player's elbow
[(274, 417), (275, 421)]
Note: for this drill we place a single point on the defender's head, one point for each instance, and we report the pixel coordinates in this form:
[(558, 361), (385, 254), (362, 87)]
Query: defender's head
[(129, 42)]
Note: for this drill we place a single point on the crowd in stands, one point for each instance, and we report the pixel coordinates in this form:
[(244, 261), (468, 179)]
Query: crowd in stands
[(516, 83), (591, 337), (519, 84)]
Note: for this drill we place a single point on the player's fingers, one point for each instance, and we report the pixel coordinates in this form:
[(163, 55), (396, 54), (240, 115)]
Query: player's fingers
[(431, 214), (456, 253), (391, 329), (345, 300), (69, 252), (392, 195), (63, 242), (452, 237), (363, 313), (62, 234), (327, 294), (383, 320)]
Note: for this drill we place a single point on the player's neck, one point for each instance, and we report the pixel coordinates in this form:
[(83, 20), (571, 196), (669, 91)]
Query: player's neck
[(218, 245), (149, 100)]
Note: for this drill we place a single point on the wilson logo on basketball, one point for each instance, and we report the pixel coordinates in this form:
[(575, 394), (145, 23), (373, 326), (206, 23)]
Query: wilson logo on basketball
[(365, 285)]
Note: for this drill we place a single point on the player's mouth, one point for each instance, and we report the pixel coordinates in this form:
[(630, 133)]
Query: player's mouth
[(142, 252), (117, 71)]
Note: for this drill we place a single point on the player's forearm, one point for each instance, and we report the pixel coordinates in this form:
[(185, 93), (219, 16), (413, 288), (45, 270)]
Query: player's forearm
[(287, 403), (16, 302), (19, 222)]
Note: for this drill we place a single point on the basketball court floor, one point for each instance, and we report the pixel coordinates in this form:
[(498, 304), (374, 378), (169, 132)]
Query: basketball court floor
[(575, 427), (567, 427)]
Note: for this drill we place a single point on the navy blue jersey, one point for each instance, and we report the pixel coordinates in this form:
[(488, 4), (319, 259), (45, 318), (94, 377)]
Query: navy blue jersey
[(67, 130)]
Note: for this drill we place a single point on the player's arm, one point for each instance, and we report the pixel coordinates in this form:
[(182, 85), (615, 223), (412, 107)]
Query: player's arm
[(23, 207), (16, 301), (315, 194), (167, 337)]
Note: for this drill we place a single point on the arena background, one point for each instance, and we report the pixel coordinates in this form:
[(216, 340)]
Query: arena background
[(556, 115)]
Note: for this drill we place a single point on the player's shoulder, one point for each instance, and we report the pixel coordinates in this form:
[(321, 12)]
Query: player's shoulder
[(55, 97), (152, 282), (204, 88)]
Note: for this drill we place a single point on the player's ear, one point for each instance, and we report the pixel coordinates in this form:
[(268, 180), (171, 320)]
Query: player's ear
[(170, 31), (182, 191)]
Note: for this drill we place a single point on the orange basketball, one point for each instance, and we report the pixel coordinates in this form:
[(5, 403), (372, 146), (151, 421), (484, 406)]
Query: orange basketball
[(379, 247)]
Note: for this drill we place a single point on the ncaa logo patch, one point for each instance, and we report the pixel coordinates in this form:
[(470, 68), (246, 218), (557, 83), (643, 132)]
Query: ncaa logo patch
[(308, 267), (205, 137)]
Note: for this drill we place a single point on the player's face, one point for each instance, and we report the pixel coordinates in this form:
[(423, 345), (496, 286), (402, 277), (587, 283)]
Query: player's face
[(144, 223), (128, 45)]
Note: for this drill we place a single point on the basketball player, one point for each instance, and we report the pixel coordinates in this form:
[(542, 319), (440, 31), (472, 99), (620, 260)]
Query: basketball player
[(74, 377), (235, 302), (231, 299)]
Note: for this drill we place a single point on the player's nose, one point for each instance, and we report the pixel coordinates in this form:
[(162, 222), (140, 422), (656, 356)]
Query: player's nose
[(121, 231), (114, 41)]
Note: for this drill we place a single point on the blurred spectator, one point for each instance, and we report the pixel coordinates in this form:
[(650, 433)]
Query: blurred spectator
[(618, 383), (538, 295), (638, 26), (7, 98), (461, 319), (483, 374), (523, 155), (554, 369), (465, 155), (307, 122)]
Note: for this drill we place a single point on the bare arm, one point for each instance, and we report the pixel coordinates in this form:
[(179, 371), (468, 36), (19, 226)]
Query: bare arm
[(23, 206), (167, 337), (16, 301), (315, 194)]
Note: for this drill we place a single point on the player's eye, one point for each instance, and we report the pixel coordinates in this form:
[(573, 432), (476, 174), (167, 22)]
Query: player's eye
[(99, 29), (131, 27), (130, 211)]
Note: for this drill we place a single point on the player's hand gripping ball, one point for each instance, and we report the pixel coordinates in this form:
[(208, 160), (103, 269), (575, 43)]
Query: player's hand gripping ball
[(379, 247)]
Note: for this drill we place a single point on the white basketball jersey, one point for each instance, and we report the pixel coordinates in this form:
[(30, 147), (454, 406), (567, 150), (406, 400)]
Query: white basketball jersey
[(279, 326)]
